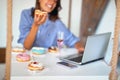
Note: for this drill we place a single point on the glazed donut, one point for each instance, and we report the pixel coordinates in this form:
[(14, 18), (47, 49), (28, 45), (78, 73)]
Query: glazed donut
[(53, 49), (18, 49), (38, 12), (35, 66), (23, 57)]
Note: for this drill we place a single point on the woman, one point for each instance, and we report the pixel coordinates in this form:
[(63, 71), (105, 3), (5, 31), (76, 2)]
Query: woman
[(41, 31)]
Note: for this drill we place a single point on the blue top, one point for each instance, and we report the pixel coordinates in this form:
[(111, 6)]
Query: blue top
[(47, 33)]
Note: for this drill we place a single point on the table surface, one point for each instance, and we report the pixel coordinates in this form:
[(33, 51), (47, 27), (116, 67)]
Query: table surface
[(53, 70)]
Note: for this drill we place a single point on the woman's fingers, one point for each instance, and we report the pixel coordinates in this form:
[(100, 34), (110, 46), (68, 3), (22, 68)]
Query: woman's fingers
[(42, 18), (81, 50)]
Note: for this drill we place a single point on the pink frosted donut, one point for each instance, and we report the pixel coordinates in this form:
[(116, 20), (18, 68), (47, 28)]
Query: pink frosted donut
[(23, 57)]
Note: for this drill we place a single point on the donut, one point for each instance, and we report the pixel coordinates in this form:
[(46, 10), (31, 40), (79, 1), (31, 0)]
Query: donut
[(23, 57), (18, 50), (38, 12), (53, 49), (35, 66), (38, 50)]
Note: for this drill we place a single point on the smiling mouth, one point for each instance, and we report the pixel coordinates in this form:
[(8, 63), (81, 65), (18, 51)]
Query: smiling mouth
[(49, 6)]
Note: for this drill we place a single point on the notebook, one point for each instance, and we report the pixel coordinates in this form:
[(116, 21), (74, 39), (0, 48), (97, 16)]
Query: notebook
[(95, 49)]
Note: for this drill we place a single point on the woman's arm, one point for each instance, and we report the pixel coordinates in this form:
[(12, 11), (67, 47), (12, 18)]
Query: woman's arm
[(31, 37), (39, 19)]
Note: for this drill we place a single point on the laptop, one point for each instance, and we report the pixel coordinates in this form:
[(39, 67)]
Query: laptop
[(95, 49)]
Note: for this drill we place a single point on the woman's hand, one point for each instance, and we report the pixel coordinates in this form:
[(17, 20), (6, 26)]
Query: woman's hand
[(40, 17), (79, 46)]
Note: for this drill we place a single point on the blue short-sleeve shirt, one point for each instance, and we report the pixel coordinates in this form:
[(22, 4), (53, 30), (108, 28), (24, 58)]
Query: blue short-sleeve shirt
[(47, 33)]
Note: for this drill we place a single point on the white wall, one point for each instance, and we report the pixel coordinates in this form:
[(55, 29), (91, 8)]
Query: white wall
[(108, 20), (76, 17), (3, 22)]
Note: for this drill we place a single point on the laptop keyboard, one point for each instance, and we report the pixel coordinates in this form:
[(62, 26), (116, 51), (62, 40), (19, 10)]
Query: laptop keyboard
[(76, 59)]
